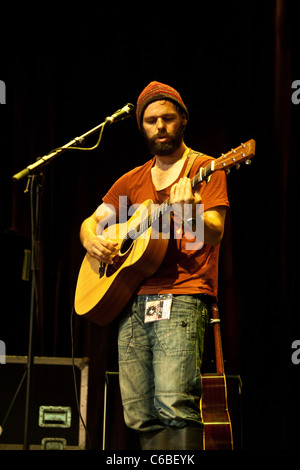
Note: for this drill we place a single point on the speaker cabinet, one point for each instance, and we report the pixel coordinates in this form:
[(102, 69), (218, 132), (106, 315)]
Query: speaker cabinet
[(54, 418)]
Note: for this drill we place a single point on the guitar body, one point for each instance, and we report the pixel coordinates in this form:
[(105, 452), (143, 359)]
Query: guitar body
[(101, 299), (215, 414), (213, 404)]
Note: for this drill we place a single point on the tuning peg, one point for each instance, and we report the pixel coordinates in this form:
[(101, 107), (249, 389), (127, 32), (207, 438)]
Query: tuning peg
[(238, 166), (248, 161), (227, 171)]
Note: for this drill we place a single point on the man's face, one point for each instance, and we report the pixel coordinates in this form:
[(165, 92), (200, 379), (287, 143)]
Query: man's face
[(163, 127)]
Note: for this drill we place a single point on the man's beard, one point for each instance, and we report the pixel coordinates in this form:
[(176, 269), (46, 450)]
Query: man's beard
[(163, 149)]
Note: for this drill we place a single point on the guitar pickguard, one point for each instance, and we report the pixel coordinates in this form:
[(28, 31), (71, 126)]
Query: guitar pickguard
[(118, 262)]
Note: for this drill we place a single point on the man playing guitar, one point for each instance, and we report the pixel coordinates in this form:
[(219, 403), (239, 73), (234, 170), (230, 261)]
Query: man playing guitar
[(160, 355)]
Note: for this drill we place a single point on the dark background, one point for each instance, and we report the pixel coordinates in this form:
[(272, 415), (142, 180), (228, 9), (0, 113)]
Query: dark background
[(234, 64)]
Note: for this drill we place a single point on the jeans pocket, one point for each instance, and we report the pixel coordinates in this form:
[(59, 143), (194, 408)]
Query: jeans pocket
[(178, 333)]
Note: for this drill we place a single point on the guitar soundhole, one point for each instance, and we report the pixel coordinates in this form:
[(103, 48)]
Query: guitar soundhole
[(126, 245)]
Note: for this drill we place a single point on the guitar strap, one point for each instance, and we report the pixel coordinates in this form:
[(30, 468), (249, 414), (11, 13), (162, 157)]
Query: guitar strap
[(192, 155)]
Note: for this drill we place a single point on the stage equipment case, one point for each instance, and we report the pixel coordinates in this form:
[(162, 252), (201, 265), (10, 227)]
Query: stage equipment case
[(54, 420)]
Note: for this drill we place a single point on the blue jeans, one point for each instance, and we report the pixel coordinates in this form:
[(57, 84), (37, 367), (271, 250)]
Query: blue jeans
[(159, 364)]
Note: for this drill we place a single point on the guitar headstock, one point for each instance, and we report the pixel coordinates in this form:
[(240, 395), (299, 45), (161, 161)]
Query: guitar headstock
[(236, 156)]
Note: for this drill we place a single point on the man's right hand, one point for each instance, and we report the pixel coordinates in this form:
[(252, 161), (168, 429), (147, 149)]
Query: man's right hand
[(100, 248), (97, 246)]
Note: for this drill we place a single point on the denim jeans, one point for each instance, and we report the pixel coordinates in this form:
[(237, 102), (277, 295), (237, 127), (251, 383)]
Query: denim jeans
[(159, 364)]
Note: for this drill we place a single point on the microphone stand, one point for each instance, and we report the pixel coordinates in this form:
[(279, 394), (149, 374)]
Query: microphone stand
[(32, 171), (35, 190)]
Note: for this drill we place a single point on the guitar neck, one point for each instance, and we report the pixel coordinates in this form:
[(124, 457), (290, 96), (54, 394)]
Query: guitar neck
[(233, 158), (218, 342)]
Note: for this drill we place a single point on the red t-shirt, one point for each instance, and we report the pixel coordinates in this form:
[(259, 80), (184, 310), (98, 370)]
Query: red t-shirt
[(182, 271)]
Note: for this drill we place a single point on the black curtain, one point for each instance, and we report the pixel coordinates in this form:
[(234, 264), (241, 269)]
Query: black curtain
[(235, 74)]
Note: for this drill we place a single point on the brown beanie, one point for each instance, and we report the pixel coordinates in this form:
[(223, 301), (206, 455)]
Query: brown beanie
[(157, 91)]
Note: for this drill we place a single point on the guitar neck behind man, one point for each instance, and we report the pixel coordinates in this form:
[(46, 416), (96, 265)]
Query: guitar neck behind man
[(161, 329)]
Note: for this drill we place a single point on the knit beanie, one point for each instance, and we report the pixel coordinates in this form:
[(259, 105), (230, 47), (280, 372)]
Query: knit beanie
[(157, 91)]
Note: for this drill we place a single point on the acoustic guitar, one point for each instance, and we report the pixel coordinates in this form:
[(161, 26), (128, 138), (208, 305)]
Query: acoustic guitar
[(213, 404), (103, 290)]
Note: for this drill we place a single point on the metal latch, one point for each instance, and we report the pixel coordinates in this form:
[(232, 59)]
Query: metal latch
[(53, 443), (55, 416)]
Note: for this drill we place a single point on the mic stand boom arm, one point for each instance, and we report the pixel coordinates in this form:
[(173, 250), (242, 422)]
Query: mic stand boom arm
[(123, 113), (42, 161)]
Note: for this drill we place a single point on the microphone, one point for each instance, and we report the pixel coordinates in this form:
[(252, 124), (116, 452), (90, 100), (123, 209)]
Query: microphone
[(123, 113)]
